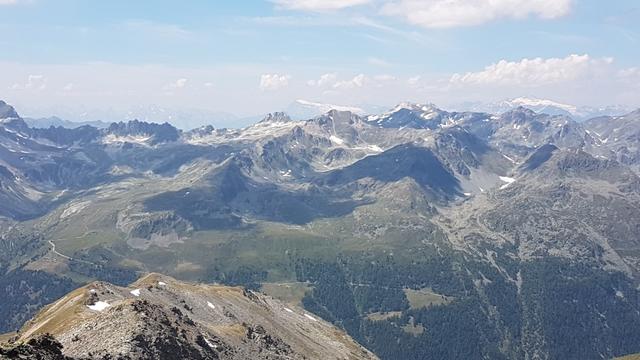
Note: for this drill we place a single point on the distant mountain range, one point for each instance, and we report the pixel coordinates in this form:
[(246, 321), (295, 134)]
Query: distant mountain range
[(300, 109), (545, 106), (43, 123), (420, 232), (182, 118)]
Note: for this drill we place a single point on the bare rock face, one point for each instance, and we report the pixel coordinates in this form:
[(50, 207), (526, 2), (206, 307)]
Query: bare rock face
[(161, 318), (43, 347)]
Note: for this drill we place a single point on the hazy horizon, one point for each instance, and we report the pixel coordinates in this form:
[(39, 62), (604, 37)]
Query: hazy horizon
[(236, 60)]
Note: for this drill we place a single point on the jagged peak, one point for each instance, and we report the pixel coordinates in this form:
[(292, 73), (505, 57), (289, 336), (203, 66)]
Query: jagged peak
[(155, 133), (276, 117), (137, 124)]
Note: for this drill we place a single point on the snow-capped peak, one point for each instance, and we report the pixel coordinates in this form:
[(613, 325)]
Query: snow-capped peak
[(411, 115), (324, 108), (541, 103)]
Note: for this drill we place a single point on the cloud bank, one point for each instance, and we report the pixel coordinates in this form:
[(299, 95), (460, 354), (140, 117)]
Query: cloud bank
[(272, 82), (534, 72), (460, 13)]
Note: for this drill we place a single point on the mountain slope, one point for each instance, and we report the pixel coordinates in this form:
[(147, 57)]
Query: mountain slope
[(620, 134), (421, 232)]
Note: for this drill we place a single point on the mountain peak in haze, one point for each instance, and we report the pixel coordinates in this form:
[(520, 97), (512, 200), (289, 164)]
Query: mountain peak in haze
[(303, 109), (545, 106), (541, 104), (276, 117)]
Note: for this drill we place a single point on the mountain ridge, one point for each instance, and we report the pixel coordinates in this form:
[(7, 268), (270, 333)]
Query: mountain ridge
[(160, 317)]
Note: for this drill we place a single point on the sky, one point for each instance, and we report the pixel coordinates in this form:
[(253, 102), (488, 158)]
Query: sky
[(77, 57)]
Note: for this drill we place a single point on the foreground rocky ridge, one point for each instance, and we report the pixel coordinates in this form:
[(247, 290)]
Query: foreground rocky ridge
[(158, 317)]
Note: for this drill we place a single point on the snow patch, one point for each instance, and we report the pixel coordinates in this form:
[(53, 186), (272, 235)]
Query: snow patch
[(134, 139), (99, 306), (324, 108), (310, 317), (209, 343), (522, 101), (135, 292), (288, 310), (508, 158), (211, 305), (337, 140), (507, 180), (286, 173), (162, 283), (375, 148)]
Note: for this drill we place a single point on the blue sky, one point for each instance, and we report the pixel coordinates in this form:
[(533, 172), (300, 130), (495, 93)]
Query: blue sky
[(252, 56)]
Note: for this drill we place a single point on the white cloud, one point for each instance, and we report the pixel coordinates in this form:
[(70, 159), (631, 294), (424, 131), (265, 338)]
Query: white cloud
[(357, 82), (270, 82), (325, 80), (68, 87), (534, 72), (331, 80), (318, 5), (34, 82), (181, 83), (178, 84), (38, 82), (457, 13), (208, 84)]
